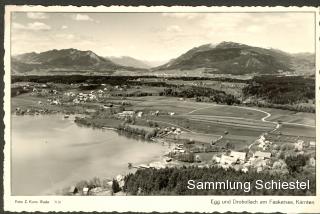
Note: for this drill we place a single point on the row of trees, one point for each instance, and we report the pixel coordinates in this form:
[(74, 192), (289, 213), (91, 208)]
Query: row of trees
[(199, 93), (174, 181), (136, 131)]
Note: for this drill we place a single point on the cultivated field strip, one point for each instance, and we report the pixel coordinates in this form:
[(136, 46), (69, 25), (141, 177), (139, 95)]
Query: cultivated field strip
[(242, 122)]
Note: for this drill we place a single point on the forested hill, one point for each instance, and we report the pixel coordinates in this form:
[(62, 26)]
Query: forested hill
[(174, 181), (281, 90), (64, 61), (237, 59)]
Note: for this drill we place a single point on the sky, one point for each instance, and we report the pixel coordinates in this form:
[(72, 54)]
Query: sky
[(158, 36)]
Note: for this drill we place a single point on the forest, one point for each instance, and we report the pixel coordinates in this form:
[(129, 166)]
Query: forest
[(173, 181), (281, 89), (200, 92)]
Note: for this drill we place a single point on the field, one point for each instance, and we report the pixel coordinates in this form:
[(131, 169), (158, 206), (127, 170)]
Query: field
[(205, 138), (291, 116), (202, 121), (289, 129), (229, 111)]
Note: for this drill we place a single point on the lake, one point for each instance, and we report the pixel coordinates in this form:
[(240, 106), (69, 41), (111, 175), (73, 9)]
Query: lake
[(50, 153)]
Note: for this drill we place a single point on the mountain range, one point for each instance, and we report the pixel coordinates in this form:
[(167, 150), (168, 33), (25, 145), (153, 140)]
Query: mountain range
[(129, 62), (237, 59), (65, 60), (223, 58)]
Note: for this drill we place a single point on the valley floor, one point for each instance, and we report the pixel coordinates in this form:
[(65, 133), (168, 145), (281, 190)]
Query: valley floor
[(209, 131)]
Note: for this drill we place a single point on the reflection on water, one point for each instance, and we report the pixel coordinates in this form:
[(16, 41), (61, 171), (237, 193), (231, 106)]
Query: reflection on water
[(49, 153)]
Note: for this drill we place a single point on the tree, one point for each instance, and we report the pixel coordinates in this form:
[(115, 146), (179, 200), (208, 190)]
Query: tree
[(115, 186), (295, 164)]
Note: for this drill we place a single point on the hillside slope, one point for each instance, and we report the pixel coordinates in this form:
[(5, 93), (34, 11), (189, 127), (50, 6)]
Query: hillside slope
[(237, 59), (128, 61), (63, 61)]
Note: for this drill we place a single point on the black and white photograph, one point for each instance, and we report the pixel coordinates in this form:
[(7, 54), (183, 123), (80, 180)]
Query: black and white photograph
[(161, 103)]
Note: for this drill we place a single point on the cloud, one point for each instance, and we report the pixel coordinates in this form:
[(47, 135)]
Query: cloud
[(18, 26), (35, 26), (188, 16), (36, 15), (63, 27), (174, 29), (38, 26), (65, 36), (81, 17)]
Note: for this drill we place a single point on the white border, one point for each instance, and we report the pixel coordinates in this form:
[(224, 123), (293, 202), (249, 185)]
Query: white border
[(145, 203)]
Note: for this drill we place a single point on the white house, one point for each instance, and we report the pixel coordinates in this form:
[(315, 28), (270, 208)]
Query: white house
[(299, 145), (228, 160), (238, 155), (263, 155)]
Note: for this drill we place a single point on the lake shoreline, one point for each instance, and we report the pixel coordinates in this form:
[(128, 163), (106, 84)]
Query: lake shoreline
[(132, 147)]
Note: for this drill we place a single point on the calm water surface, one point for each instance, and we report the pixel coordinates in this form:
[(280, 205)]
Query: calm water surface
[(50, 153)]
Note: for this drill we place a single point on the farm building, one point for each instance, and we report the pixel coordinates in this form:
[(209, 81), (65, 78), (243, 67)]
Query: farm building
[(262, 155), (227, 160), (312, 144), (241, 156), (258, 162), (126, 114)]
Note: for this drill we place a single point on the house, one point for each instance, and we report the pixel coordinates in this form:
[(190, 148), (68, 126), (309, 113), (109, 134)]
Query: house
[(312, 144), (55, 102), (262, 155), (143, 166), (126, 114), (245, 170), (216, 159), (238, 155), (258, 162), (158, 165), (299, 145), (120, 179), (228, 160), (139, 114), (90, 111), (312, 161), (85, 191), (76, 101)]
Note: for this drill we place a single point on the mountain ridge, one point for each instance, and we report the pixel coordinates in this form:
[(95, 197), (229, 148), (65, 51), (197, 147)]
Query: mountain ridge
[(236, 58), (228, 58), (64, 60), (128, 61)]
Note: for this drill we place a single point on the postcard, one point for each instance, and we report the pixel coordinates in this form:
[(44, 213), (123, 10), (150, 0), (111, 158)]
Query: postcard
[(163, 109)]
